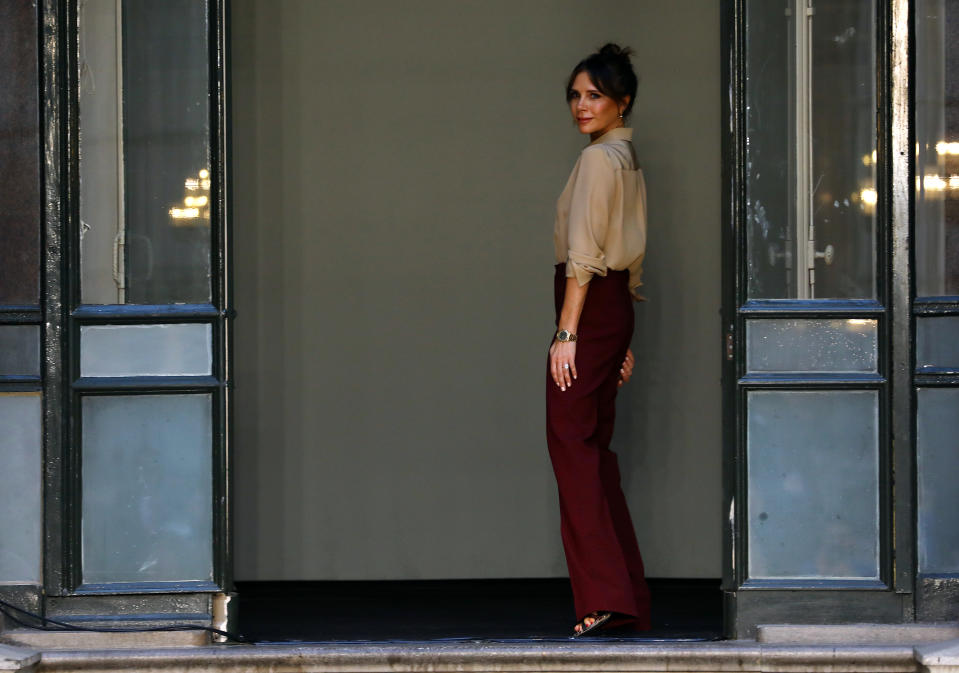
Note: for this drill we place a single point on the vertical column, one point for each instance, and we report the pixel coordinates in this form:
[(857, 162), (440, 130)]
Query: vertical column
[(899, 162)]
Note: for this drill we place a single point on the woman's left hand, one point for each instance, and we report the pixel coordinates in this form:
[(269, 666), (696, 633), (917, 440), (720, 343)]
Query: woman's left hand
[(562, 363), (626, 371)]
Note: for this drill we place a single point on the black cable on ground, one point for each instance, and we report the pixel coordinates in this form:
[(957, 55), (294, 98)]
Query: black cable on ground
[(11, 612)]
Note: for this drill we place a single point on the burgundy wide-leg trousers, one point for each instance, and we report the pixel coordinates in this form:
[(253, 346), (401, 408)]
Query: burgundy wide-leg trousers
[(605, 565)]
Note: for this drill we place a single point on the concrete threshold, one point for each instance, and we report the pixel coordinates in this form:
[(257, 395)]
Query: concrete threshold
[(489, 656)]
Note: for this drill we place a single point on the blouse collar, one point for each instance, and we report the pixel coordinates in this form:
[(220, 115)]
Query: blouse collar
[(618, 133)]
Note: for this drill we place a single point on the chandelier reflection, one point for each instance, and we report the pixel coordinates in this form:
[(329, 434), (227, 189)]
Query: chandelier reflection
[(195, 209), (935, 183), (939, 180)]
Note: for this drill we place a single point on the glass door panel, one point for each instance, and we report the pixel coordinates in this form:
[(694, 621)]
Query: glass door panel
[(937, 148), (147, 478), (937, 344), (178, 349), (810, 160), (814, 346), (19, 157), (809, 496), (145, 197), (148, 366), (22, 321), (21, 527), (813, 472), (937, 443), (936, 306), (20, 350)]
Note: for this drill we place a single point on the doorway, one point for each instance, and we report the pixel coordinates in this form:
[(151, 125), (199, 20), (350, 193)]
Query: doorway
[(395, 172)]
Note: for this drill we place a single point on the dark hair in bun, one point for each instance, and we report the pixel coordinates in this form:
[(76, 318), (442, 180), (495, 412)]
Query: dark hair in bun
[(611, 72)]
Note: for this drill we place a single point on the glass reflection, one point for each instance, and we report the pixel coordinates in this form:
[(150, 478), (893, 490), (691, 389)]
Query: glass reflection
[(811, 148), (937, 147), (144, 131), (195, 209)]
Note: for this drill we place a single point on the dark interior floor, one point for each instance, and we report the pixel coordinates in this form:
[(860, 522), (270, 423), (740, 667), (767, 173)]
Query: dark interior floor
[(520, 609)]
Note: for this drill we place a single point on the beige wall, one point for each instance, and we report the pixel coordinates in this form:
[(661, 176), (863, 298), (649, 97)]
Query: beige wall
[(396, 168)]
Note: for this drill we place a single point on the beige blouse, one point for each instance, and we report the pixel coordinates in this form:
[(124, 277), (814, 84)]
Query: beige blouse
[(601, 214)]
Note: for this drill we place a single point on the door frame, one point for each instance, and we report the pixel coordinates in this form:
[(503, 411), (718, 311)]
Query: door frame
[(63, 592), (750, 603)]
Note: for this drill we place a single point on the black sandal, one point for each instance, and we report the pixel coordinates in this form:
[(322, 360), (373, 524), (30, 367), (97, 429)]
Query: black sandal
[(599, 618)]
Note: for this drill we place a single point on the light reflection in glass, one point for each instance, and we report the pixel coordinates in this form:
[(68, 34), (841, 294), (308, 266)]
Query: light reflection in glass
[(195, 210), (942, 147)]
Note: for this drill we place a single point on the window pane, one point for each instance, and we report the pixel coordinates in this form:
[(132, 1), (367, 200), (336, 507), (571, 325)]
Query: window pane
[(19, 155), (147, 488), (810, 125), (146, 350), (19, 350), (937, 147), (144, 152), (937, 342), (813, 463), (815, 346), (21, 509), (771, 141), (938, 464)]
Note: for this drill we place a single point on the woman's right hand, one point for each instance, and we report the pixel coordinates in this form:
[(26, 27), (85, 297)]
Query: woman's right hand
[(626, 371), (562, 363)]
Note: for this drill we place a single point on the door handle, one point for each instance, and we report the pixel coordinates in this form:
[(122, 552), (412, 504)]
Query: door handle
[(828, 255)]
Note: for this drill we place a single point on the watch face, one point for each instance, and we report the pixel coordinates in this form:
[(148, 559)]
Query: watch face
[(563, 335)]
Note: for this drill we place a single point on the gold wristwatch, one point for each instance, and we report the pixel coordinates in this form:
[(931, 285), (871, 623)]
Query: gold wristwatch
[(565, 335)]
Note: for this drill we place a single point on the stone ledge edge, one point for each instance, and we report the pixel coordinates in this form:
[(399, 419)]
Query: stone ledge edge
[(376, 658)]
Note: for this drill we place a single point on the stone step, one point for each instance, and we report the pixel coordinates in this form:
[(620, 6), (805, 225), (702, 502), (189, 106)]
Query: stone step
[(596, 656)]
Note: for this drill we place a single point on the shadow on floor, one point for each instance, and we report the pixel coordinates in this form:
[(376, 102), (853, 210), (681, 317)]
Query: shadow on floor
[(520, 609)]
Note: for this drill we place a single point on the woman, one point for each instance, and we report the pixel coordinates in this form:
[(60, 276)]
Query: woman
[(600, 238)]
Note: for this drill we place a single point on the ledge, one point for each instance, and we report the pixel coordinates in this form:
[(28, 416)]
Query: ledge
[(489, 656)]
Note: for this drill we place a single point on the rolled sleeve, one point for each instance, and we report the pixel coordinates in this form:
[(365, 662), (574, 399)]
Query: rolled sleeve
[(593, 191), (635, 278), (582, 267)]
